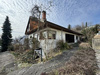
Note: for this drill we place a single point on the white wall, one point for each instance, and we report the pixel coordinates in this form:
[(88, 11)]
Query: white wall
[(48, 45), (75, 41)]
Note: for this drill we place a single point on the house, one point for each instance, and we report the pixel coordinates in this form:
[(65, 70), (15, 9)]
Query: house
[(49, 33)]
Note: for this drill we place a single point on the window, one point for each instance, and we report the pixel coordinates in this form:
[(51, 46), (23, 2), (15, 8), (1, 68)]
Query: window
[(43, 35), (48, 34), (51, 35)]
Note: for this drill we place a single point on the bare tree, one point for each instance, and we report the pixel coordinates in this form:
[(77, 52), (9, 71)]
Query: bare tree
[(17, 44), (36, 12), (90, 32), (37, 9), (83, 25), (78, 27)]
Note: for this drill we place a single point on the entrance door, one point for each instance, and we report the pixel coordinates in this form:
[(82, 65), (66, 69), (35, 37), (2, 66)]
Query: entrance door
[(69, 38)]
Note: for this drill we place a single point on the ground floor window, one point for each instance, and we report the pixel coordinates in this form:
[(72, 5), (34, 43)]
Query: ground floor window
[(49, 34), (43, 35)]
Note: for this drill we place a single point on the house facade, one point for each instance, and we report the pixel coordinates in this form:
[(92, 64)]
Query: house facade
[(48, 33)]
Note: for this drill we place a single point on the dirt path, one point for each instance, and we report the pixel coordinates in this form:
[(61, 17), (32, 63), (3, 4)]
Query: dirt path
[(37, 69)]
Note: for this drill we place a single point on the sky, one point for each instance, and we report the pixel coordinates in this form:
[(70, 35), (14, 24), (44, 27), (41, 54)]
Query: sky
[(63, 13)]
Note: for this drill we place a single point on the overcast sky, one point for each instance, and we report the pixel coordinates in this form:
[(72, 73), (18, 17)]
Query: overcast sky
[(63, 12)]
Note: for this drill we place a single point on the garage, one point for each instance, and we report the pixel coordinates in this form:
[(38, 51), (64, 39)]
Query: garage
[(69, 38)]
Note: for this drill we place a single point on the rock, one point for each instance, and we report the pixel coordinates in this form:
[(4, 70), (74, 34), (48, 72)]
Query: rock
[(84, 45), (7, 63)]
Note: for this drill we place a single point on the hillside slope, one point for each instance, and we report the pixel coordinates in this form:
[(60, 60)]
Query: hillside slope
[(37, 69)]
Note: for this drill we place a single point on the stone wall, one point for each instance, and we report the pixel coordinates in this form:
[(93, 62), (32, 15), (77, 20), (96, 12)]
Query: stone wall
[(96, 44), (97, 53), (96, 47)]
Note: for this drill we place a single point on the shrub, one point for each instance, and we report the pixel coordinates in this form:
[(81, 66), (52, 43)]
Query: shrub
[(24, 57), (27, 56), (26, 43), (66, 46), (35, 43), (18, 47), (61, 45), (11, 48)]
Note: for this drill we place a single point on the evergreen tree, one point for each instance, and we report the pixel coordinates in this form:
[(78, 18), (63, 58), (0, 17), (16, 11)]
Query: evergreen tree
[(86, 24), (0, 44), (0, 41), (6, 35), (69, 26)]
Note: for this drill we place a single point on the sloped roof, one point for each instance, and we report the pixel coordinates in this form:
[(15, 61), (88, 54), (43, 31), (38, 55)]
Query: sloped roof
[(55, 26), (51, 25)]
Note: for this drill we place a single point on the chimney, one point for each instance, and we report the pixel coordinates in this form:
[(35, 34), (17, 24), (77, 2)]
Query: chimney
[(43, 16)]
